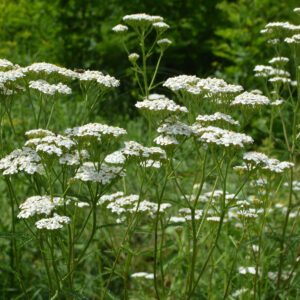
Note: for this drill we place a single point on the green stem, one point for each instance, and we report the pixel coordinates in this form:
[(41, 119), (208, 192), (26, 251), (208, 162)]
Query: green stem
[(15, 256)]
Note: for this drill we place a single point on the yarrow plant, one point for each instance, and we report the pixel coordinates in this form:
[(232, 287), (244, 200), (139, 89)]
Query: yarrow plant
[(194, 213)]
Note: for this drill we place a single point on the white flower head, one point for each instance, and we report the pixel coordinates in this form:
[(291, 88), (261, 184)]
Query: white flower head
[(56, 222), (120, 28)]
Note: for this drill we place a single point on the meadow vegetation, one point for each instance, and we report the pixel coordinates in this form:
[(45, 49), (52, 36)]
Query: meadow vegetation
[(175, 204)]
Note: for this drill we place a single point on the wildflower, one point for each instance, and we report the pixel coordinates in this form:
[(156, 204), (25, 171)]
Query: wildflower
[(161, 107), (38, 133), (164, 43), (220, 137), (295, 185), (89, 172), (173, 127), (50, 89), (249, 100), (5, 64), (141, 19), (120, 28), (202, 119), (279, 79), (256, 91), (94, 132), (135, 150), (166, 141), (273, 41), (161, 26), (109, 198), (21, 160), (268, 71), (177, 220), (43, 68), (133, 57), (37, 205), (98, 78), (150, 163), (11, 76), (74, 158), (248, 270), (51, 145), (53, 223), (115, 158), (279, 60), (277, 102), (143, 275), (213, 219)]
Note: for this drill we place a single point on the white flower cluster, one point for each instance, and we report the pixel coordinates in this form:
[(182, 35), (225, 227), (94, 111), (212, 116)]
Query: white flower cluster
[(164, 43), (99, 78), (150, 163), (131, 204), (37, 205), (115, 158), (5, 64), (259, 160), (51, 145), (250, 100), (166, 141), (248, 270), (161, 25), (268, 71), (135, 150), (160, 105), (171, 130), (216, 136), (120, 28), (46, 68), (186, 215), (279, 60), (109, 198), (11, 76), (56, 222), (280, 27), (21, 160), (210, 87), (133, 57), (279, 79), (38, 133), (295, 39), (94, 131), (90, 172), (50, 89), (277, 102), (296, 185), (216, 117), (259, 182), (142, 275), (173, 127), (74, 158), (141, 19)]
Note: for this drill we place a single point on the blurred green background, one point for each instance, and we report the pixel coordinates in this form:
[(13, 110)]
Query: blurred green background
[(210, 37)]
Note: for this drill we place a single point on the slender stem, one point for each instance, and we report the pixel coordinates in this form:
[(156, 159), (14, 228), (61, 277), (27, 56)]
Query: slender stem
[(51, 113), (156, 69), (51, 246), (15, 256), (237, 247), (45, 260)]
